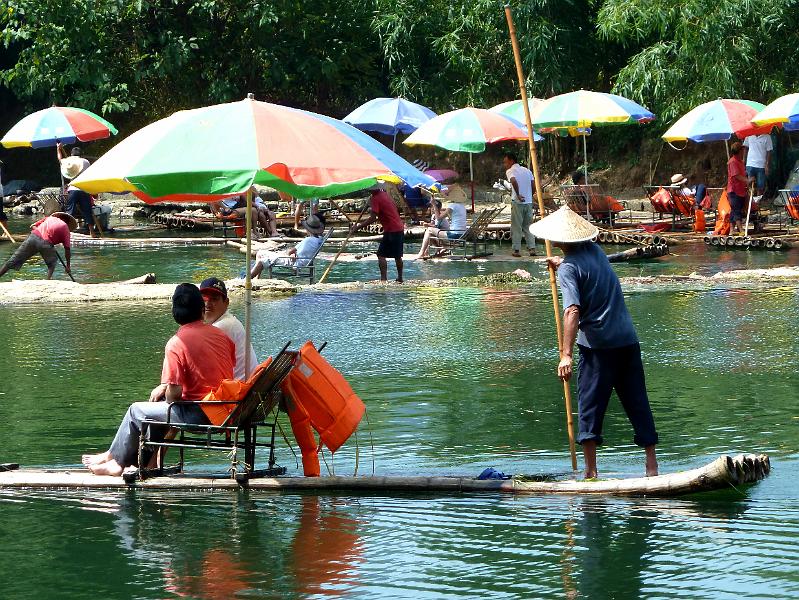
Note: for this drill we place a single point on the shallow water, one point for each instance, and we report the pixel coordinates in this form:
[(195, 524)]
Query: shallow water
[(455, 380)]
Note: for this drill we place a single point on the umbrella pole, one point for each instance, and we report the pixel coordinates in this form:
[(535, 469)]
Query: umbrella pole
[(471, 179), (343, 245), (394, 143), (552, 282), (248, 288), (585, 170)]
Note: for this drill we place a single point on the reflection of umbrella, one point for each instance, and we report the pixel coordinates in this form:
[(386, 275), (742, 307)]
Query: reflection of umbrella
[(389, 116), (219, 151), (584, 109), (717, 121), (783, 110), (468, 130), (515, 109), (57, 124)]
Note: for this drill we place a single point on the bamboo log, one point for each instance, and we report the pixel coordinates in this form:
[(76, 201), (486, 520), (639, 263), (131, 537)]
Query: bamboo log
[(724, 472)]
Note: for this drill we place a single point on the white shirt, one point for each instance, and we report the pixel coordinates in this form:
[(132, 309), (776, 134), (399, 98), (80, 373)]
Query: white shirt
[(85, 164), (758, 146), (457, 220), (524, 179), (235, 331)]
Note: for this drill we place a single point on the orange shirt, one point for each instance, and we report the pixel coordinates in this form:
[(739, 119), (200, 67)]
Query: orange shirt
[(197, 358)]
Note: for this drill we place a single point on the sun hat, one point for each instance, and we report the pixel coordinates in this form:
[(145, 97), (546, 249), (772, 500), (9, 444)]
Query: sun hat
[(678, 179), (213, 285), (314, 225), (71, 166), (71, 222), (564, 226), (421, 165)]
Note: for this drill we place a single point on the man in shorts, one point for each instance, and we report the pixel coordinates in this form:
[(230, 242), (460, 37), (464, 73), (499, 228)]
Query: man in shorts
[(383, 209), (596, 317), (758, 156), (45, 234)]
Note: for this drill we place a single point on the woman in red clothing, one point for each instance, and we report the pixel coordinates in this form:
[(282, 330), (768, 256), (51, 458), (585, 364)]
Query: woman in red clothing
[(737, 183)]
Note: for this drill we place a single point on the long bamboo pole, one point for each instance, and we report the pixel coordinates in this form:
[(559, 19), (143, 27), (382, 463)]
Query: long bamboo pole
[(7, 233), (248, 287), (343, 245), (539, 195)]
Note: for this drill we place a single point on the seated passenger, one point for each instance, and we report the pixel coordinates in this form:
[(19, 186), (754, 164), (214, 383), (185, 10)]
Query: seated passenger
[(266, 218), (194, 344), (455, 214), (300, 255), (236, 207)]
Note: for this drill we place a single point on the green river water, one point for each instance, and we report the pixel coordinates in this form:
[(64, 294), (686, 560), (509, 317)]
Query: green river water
[(455, 380)]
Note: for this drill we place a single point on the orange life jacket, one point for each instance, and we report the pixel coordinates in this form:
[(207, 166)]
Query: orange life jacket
[(723, 211), (333, 408), (699, 221), (230, 389)]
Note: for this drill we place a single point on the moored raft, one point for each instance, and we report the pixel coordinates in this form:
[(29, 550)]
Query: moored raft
[(724, 472)]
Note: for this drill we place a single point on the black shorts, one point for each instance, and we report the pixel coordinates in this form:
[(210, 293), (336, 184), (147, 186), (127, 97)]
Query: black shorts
[(391, 246), (737, 207), (600, 372)]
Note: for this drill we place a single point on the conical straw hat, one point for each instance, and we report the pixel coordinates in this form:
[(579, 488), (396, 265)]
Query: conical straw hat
[(564, 226)]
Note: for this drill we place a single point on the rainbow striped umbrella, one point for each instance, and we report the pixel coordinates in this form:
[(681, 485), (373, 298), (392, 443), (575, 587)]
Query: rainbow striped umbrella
[(210, 153), (585, 109), (57, 124), (784, 110), (717, 121), (515, 108), (467, 130)]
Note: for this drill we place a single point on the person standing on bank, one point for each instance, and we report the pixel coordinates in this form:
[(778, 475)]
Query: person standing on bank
[(77, 200), (737, 183), (596, 317), (383, 209), (521, 206)]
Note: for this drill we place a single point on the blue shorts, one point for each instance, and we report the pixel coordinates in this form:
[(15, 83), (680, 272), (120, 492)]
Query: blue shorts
[(759, 173), (454, 235), (600, 372)]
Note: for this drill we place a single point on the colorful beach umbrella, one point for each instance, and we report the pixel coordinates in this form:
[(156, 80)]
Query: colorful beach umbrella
[(577, 112), (468, 130), (515, 108), (389, 116), (57, 124), (584, 108), (784, 110), (210, 153), (717, 121)]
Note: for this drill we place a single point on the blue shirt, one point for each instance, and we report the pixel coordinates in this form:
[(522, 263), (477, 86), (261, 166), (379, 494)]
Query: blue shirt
[(588, 282)]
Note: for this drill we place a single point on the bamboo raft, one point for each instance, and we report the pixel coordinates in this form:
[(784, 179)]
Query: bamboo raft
[(723, 473)]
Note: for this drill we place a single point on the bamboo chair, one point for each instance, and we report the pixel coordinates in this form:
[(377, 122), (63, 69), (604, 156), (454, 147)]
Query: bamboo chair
[(790, 200), (238, 432), (295, 270), (472, 242)]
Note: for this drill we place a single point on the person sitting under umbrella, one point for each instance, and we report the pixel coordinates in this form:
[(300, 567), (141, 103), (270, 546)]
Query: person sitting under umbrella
[(300, 255), (45, 234), (455, 215)]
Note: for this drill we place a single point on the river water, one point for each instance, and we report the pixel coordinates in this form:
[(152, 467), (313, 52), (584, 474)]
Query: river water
[(455, 380)]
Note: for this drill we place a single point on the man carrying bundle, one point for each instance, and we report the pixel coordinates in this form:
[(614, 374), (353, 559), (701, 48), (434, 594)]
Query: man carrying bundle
[(596, 317)]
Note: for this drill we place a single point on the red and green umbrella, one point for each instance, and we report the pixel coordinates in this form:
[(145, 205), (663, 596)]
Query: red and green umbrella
[(717, 121), (57, 124), (210, 153)]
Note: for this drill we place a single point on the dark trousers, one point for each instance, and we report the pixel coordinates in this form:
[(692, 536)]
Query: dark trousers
[(600, 372), (81, 200)]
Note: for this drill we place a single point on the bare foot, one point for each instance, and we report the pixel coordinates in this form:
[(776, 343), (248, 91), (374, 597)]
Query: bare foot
[(95, 459), (590, 475), (110, 467), (398, 280)]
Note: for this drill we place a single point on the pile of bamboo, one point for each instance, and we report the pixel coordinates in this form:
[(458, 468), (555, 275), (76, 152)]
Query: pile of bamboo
[(731, 241)]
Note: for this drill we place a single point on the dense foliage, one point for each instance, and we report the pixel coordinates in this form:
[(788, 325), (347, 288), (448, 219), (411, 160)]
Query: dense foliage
[(146, 58)]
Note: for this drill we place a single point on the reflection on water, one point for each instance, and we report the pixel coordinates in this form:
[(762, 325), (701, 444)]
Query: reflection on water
[(455, 380)]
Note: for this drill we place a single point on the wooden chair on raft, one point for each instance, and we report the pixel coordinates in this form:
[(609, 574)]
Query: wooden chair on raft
[(308, 270), (236, 433), (472, 242), (588, 199)]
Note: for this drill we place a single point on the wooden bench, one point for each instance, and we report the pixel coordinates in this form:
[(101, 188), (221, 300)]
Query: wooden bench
[(473, 239), (238, 432)]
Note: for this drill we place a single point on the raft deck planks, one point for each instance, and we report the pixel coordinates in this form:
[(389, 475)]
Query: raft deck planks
[(724, 472)]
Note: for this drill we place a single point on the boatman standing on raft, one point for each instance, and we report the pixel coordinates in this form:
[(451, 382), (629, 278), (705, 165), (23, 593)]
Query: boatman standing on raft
[(596, 317)]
